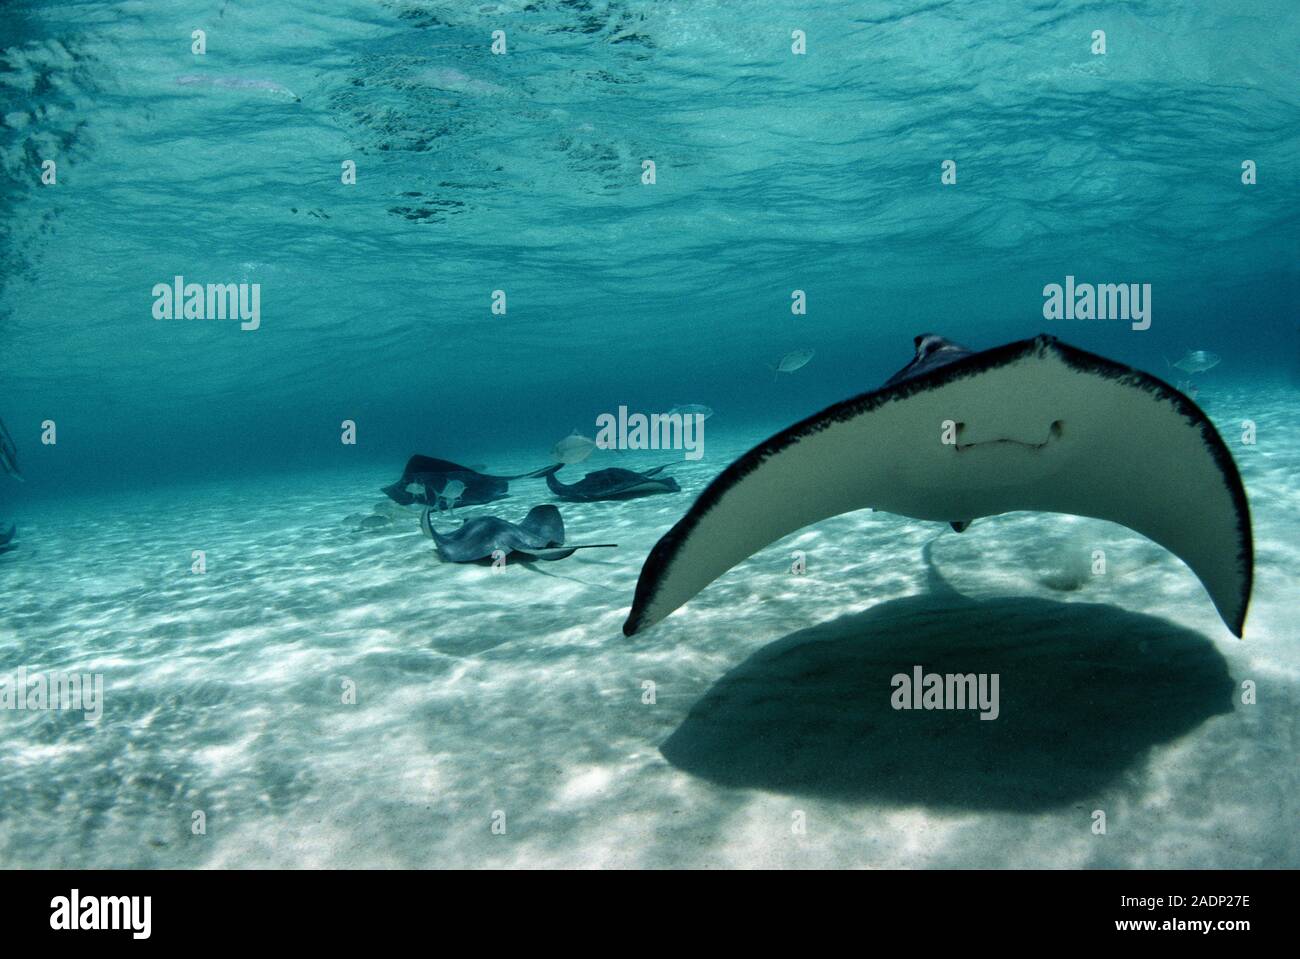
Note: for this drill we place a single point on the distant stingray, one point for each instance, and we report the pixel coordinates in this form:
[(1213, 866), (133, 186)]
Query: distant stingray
[(237, 83), (456, 81), (1196, 361), (612, 484), (425, 476), (691, 409), (540, 535), (9, 454), (6, 538)]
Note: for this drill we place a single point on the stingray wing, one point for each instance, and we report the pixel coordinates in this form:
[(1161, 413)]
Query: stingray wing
[(543, 526), (665, 485), (1038, 426)]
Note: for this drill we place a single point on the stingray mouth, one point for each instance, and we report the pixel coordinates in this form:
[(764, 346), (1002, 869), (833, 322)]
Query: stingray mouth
[(1054, 432)]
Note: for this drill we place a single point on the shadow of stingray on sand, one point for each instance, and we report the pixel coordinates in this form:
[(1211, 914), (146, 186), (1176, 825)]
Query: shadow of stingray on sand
[(1086, 691)]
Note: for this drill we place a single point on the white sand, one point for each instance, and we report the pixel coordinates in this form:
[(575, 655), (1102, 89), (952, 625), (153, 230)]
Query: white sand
[(515, 691)]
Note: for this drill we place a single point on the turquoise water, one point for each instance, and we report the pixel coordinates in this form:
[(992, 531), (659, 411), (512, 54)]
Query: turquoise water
[(523, 173)]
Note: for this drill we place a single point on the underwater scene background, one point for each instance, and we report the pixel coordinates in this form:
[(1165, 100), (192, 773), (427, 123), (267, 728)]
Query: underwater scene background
[(498, 267)]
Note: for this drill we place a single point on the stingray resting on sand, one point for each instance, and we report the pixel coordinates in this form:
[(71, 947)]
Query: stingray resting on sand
[(539, 536), (957, 435), (425, 479), (612, 484)]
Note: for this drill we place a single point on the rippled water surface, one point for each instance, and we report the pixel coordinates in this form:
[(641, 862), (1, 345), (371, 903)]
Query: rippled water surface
[(479, 692)]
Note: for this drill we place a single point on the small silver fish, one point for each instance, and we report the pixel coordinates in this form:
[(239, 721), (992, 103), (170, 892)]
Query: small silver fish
[(1196, 361), (794, 360), (573, 449), (450, 493)]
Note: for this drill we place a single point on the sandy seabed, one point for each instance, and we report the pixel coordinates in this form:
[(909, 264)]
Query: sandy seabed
[(486, 696)]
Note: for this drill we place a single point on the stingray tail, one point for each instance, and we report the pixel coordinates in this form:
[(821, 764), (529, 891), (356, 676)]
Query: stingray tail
[(552, 483), (563, 552), (398, 494), (426, 524), (534, 474)]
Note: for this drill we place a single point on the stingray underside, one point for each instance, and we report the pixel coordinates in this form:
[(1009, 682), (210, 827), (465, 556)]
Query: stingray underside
[(1033, 425)]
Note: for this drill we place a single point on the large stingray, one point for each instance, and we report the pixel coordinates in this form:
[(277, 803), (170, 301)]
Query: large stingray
[(540, 535), (609, 484), (956, 435), (8, 454), (425, 477)]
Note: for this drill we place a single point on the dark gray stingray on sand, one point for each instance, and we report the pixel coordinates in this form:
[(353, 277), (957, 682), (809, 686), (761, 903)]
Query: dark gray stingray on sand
[(6, 538), (612, 484), (429, 476), (540, 535)]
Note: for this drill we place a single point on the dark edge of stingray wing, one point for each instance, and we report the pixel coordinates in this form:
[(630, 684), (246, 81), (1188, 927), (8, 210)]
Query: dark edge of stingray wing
[(1213, 443), (661, 557)]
